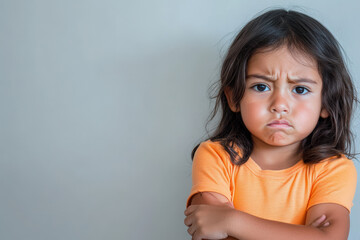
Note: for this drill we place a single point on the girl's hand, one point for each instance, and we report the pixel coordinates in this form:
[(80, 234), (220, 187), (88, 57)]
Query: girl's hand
[(208, 221), (320, 222)]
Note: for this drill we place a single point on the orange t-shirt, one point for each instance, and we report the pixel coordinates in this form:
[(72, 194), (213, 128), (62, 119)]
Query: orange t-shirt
[(281, 195)]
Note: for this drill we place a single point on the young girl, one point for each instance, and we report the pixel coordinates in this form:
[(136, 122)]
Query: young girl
[(277, 165)]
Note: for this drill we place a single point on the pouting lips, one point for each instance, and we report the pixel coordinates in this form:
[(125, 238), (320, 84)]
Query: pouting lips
[(279, 123)]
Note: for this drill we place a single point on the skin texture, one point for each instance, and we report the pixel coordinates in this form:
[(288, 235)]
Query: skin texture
[(280, 107)]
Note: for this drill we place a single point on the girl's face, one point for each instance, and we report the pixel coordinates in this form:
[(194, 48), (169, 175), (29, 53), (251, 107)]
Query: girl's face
[(282, 100)]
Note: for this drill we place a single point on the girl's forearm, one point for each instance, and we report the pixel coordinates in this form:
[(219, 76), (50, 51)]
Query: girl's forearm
[(245, 226)]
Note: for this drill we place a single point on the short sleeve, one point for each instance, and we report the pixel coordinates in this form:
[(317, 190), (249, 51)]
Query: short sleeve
[(335, 183), (211, 170)]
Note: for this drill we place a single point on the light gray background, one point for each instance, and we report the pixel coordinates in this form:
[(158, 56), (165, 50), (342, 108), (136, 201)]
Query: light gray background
[(101, 103)]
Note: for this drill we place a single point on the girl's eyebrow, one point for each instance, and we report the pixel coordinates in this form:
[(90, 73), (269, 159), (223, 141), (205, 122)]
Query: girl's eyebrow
[(298, 80)]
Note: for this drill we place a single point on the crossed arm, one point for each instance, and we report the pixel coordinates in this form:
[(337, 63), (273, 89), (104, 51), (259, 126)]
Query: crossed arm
[(212, 216)]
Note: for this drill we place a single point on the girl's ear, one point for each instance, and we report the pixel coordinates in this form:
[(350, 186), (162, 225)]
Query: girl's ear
[(228, 94), (324, 113)]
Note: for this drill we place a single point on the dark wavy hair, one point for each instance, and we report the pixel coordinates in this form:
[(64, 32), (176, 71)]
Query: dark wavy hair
[(332, 135)]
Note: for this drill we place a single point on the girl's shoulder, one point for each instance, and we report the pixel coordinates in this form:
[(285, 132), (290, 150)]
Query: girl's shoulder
[(216, 144), (340, 165), (335, 161), (212, 151), (210, 145), (218, 147)]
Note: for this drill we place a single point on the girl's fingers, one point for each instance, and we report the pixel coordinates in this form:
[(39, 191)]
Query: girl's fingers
[(326, 224), (190, 209), (318, 221), (191, 230), (187, 221)]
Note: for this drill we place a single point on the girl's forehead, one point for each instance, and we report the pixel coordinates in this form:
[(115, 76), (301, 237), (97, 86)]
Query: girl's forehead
[(282, 63), (290, 52), (282, 59)]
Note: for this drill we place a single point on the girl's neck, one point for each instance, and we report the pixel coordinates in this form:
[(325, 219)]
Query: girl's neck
[(275, 157)]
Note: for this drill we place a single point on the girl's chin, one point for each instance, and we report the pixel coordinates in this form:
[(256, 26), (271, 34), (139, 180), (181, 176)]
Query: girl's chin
[(277, 140)]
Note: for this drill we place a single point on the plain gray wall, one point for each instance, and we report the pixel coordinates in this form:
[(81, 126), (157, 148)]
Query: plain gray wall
[(101, 103)]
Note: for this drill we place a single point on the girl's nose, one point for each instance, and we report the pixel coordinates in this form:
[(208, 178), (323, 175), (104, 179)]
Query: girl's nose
[(279, 104)]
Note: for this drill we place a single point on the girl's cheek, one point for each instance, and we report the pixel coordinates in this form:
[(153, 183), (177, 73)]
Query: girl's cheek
[(307, 114), (312, 106), (257, 110), (253, 111)]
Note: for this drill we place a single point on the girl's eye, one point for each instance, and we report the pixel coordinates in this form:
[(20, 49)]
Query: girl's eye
[(301, 90), (261, 87)]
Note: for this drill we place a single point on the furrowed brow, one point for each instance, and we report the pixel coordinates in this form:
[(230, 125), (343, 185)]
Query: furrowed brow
[(303, 80), (267, 78)]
